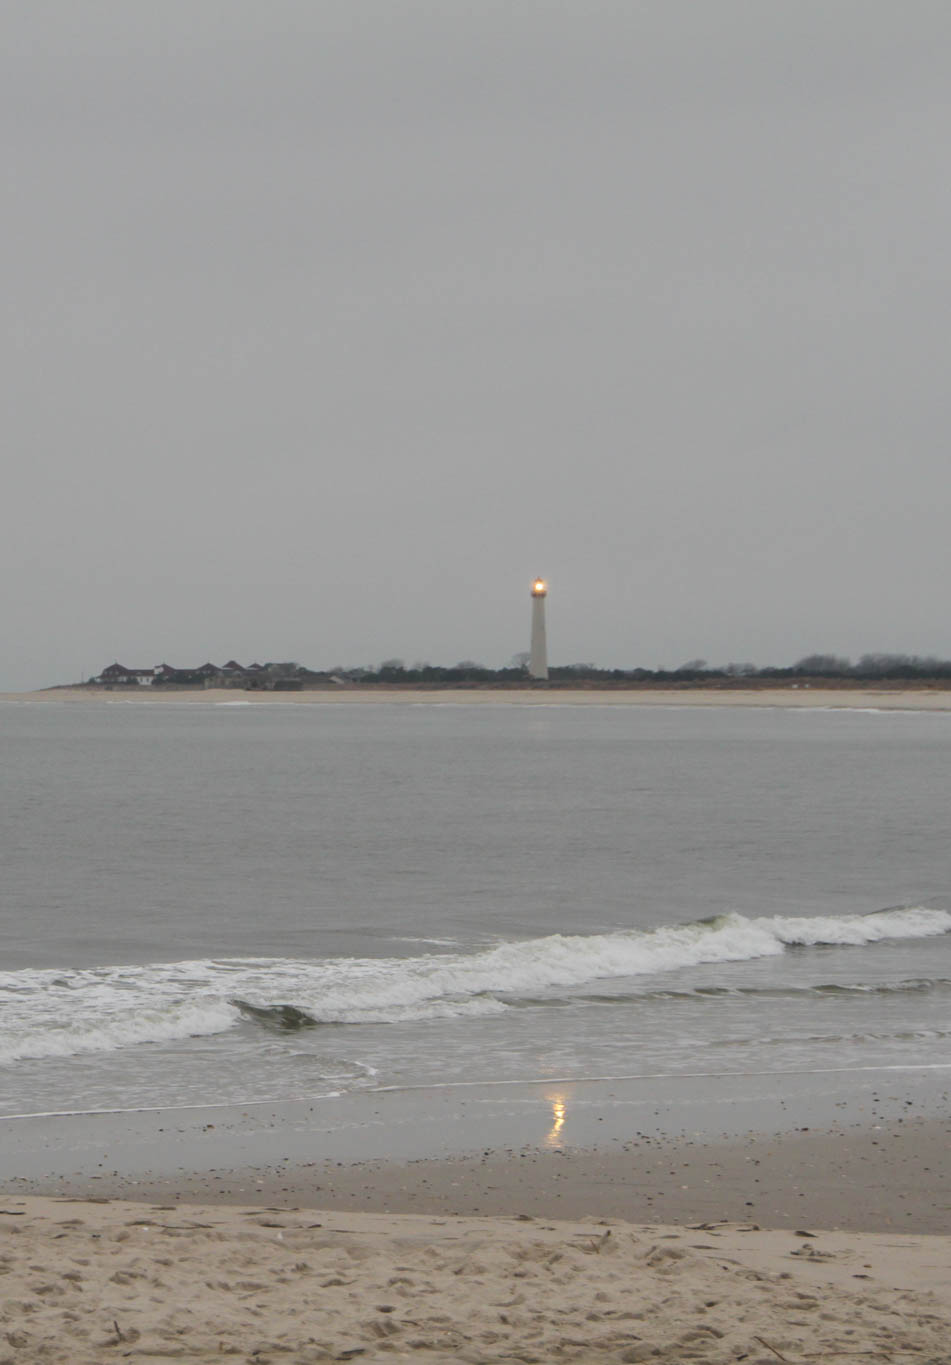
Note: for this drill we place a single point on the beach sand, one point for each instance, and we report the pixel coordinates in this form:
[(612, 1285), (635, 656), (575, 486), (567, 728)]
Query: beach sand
[(884, 698), (90, 1282), (665, 1250)]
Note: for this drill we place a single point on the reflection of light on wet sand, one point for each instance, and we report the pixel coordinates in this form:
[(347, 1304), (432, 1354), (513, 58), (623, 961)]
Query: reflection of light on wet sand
[(558, 1107)]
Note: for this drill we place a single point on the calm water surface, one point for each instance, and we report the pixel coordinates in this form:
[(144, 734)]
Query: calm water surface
[(210, 903)]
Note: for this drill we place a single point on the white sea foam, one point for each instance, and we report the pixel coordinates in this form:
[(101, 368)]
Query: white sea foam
[(117, 1029), (56, 1014), (854, 930)]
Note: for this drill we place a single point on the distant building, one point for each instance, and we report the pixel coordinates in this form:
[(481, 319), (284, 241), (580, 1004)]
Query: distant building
[(118, 675), (165, 675), (271, 677)]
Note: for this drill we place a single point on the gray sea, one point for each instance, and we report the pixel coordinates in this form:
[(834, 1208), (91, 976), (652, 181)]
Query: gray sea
[(217, 904)]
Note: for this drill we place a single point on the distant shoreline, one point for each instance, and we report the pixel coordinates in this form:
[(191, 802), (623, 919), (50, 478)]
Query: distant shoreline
[(870, 696)]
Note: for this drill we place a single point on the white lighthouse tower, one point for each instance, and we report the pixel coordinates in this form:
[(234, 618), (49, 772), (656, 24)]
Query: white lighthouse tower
[(538, 660)]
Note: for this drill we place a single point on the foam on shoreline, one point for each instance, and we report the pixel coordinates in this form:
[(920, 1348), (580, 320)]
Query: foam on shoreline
[(61, 1012)]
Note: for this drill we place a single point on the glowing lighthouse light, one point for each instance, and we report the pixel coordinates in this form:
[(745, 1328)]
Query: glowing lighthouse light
[(538, 658)]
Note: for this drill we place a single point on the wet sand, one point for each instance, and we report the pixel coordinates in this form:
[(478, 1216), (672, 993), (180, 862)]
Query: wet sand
[(888, 1176), (608, 1129)]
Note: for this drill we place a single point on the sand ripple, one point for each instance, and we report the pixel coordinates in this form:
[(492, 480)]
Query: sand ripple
[(86, 1282)]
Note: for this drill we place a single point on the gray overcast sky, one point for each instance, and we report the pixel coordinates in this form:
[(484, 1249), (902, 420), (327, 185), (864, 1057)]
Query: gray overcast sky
[(328, 326)]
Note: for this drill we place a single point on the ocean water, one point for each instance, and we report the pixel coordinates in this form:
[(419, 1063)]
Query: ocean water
[(217, 904)]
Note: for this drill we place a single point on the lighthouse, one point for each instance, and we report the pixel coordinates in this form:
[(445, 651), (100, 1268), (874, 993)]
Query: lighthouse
[(538, 660)]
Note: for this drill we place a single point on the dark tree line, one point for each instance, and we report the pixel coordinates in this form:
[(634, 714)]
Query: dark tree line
[(869, 668)]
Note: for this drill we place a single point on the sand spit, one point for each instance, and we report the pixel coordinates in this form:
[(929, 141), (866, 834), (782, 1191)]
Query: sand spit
[(87, 1282), (848, 699)]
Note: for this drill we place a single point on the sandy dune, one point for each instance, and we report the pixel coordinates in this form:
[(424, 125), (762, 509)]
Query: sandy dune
[(885, 698), (90, 1282)]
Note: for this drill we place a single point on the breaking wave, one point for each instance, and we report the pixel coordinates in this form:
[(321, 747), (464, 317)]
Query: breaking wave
[(49, 1013)]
